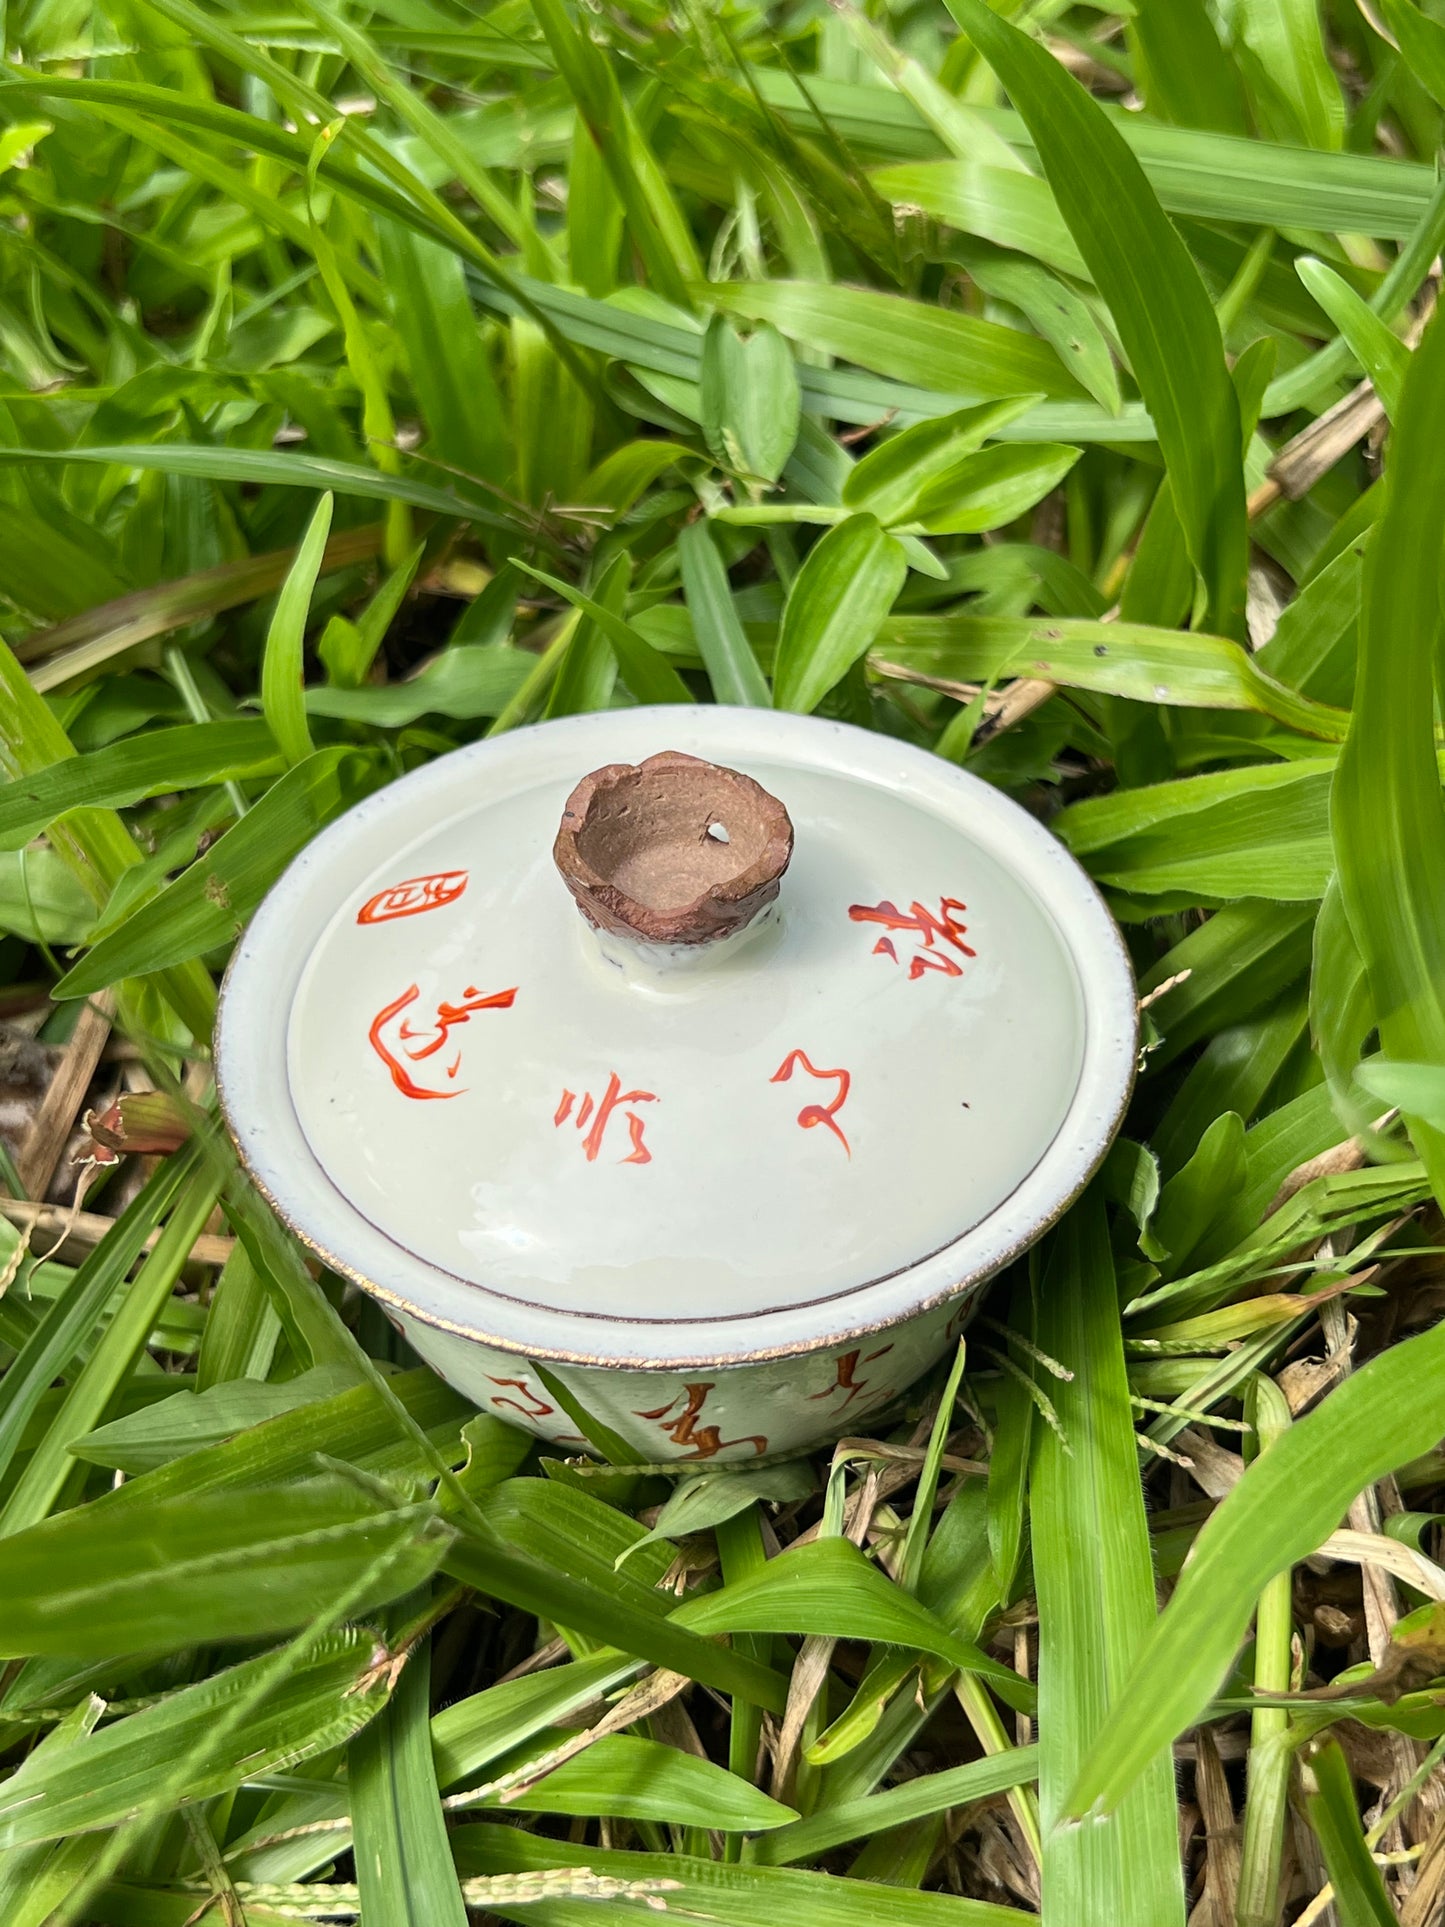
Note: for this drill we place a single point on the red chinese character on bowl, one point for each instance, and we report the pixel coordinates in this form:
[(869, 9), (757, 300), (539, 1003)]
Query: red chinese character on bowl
[(703, 1441), (846, 1378)]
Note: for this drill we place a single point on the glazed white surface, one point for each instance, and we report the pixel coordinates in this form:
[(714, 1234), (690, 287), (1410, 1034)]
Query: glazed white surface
[(976, 1106), (956, 1084), (728, 1414)]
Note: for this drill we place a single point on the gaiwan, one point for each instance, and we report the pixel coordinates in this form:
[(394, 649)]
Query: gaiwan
[(710, 1060)]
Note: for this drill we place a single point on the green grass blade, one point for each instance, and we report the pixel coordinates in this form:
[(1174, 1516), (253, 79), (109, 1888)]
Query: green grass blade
[(1011, 210), (139, 1580), (1184, 73), (836, 603), (94, 844), (727, 655), (122, 1344), (1382, 355), (827, 1587), (920, 1525), (287, 470), (282, 671), (1259, 831), (750, 399), (1061, 316), (631, 1778), (729, 1896), (1154, 292), (107, 1775), (473, 1732), (1421, 39), (354, 1426), (1138, 660), (462, 682), (607, 1613), (1281, 51), (1288, 1502), (123, 773), (451, 371), (908, 340), (33, 1880), (655, 221), (85, 642), (1389, 818), (71, 1318), (1271, 1755), (893, 479), (1217, 177), (588, 675), (354, 645), (403, 1859), (862, 1818), (1095, 1582), (208, 903), (647, 673), (272, 1673), (1360, 1896)]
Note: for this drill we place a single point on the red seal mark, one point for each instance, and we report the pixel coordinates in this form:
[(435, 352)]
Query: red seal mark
[(409, 899)]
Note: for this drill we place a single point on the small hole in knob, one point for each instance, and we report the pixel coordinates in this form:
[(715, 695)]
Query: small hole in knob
[(717, 833)]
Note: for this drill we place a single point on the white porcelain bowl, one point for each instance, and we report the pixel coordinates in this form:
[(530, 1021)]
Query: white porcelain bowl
[(732, 1198)]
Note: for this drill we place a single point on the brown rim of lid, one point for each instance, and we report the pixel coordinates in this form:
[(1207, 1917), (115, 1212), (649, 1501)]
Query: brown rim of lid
[(673, 850)]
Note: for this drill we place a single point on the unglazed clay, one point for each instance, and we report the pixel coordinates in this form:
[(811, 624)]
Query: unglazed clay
[(672, 851), (732, 1173)]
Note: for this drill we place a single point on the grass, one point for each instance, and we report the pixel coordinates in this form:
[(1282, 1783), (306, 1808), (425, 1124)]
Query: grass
[(1050, 387)]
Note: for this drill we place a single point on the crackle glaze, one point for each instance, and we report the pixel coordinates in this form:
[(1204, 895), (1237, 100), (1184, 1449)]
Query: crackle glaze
[(734, 1196)]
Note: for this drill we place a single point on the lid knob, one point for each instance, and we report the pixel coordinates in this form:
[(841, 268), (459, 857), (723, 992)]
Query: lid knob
[(673, 850)]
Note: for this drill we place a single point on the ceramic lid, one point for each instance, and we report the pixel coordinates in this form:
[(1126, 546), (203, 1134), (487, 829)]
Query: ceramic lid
[(837, 1029)]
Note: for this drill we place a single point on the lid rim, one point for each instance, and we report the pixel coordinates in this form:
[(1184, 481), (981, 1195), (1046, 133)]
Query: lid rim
[(972, 1280)]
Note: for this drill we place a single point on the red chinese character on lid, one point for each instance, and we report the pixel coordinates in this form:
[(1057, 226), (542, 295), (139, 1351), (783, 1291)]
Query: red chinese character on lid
[(413, 1056), (600, 1116), (935, 934), (814, 1114)]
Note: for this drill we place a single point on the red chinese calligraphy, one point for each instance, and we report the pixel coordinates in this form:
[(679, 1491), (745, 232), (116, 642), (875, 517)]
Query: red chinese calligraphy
[(958, 1320), (941, 930), (847, 1380), (401, 1047), (535, 1408), (813, 1114), (600, 1115), (409, 899), (706, 1440)]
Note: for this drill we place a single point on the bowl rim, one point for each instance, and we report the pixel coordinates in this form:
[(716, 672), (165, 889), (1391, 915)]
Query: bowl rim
[(257, 996)]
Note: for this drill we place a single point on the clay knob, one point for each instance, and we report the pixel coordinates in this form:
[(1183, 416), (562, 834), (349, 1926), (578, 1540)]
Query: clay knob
[(674, 850)]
